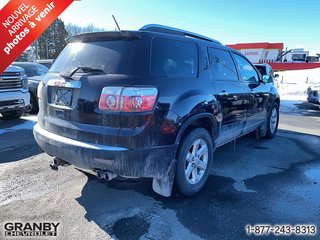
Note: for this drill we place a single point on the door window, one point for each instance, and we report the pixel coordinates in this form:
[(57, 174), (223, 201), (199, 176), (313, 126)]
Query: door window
[(247, 71), (221, 65)]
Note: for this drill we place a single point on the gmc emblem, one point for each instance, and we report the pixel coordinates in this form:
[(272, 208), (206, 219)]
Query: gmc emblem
[(59, 83)]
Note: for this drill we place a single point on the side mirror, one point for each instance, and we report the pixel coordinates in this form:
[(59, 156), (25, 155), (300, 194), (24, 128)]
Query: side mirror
[(267, 79), (276, 75)]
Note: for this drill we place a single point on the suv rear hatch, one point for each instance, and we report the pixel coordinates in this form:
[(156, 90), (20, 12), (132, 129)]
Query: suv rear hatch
[(89, 67)]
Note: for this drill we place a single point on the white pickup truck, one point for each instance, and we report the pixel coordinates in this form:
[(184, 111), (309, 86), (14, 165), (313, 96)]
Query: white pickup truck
[(14, 95)]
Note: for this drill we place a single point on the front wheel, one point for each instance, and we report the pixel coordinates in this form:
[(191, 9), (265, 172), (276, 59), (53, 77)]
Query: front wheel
[(12, 114), (273, 121), (33, 106), (194, 161)]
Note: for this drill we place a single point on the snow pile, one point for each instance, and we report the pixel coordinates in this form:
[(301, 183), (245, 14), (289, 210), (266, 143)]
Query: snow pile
[(309, 76), (293, 85)]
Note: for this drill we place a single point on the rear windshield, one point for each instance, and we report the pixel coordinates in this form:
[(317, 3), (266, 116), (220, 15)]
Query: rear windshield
[(110, 56), (173, 58)]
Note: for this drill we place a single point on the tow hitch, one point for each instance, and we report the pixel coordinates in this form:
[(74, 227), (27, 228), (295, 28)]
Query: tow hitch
[(58, 162)]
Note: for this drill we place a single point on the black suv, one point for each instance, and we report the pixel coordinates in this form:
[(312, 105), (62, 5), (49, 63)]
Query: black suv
[(150, 103)]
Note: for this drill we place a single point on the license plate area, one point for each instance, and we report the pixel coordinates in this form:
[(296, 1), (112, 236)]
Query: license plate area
[(62, 96)]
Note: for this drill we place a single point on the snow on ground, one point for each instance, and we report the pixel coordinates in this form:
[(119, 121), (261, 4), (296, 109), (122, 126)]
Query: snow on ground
[(291, 95), (308, 76), (292, 86)]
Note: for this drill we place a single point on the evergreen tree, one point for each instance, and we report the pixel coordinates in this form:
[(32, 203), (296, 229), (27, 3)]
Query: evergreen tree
[(52, 41), (28, 55), (73, 29)]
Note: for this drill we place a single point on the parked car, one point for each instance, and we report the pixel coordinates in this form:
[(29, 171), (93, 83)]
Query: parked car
[(151, 103), (14, 95), (35, 72), (267, 72), (313, 92), (45, 62)]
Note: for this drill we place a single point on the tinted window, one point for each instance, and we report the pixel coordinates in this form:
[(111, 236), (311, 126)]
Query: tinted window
[(174, 58), (262, 70), (33, 70), (110, 56), (41, 70), (247, 72), (221, 65)]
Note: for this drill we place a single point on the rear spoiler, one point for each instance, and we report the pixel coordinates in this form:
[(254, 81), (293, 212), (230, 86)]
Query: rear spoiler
[(100, 36)]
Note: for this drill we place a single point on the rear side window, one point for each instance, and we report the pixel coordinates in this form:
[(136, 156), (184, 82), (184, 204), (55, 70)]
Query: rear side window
[(173, 58), (221, 65), (247, 72)]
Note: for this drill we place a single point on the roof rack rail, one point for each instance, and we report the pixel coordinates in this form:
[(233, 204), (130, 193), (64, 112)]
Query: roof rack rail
[(175, 31)]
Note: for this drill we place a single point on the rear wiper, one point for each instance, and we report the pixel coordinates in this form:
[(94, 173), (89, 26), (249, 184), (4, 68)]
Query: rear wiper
[(83, 69)]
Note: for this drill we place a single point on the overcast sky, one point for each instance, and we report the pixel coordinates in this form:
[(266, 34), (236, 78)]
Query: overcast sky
[(296, 23)]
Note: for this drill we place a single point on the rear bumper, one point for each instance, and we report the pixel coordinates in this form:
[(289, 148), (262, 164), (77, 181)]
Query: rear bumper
[(147, 162)]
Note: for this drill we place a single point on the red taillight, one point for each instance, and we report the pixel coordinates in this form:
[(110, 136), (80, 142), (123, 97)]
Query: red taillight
[(138, 99), (128, 99), (110, 98)]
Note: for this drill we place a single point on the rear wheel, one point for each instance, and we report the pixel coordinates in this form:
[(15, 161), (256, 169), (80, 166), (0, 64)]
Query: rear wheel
[(194, 161), (12, 114)]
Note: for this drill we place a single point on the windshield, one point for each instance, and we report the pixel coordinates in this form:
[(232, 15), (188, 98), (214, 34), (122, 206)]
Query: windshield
[(36, 70), (108, 56), (33, 70)]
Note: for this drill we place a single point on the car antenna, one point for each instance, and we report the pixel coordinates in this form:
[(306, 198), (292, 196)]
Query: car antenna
[(116, 22)]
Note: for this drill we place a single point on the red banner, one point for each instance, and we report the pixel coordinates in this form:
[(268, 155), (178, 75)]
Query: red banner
[(22, 22)]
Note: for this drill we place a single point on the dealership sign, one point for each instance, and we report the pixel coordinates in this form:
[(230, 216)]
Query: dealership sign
[(31, 229), (253, 54), (22, 21)]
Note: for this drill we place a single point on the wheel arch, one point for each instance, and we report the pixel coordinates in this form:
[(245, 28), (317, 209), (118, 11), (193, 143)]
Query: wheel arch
[(275, 100), (203, 120)]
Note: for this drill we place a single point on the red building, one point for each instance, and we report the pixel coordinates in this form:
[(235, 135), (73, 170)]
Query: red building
[(270, 53)]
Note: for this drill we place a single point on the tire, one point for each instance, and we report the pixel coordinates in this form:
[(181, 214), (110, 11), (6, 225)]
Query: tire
[(12, 115), (33, 107), (273, 121), (192, 171)]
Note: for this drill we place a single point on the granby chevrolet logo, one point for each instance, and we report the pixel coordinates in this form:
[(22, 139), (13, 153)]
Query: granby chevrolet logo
[(19, 229)]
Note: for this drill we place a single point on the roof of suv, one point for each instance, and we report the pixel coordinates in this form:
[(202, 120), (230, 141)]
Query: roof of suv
[(175, 31), (262, 64), (156, 28)]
